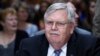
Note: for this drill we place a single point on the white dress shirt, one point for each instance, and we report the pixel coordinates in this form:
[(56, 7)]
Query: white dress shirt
[(51, 51)]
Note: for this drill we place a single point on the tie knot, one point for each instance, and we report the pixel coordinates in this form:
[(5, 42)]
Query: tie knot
[(57, 52)]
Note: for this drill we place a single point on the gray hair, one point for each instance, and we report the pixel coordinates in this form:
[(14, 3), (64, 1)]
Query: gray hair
[(61, 6)]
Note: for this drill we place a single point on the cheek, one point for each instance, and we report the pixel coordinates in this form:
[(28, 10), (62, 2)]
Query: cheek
[(62, 32), (26, 14), (9, 23), (65, 32), (46, 27), (47, 30), (19, 14)]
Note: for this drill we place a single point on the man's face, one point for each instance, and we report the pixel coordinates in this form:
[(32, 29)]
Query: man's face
[(57, 28)]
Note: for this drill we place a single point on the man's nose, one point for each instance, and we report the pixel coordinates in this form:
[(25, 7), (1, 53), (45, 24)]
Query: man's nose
[(54, 26)]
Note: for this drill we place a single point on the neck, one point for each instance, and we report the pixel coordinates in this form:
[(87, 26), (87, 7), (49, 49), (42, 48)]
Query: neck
[(57, 46), (9, 33), (22, 25)]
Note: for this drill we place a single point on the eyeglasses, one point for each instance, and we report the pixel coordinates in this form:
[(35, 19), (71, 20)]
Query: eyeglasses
[(57, 24)]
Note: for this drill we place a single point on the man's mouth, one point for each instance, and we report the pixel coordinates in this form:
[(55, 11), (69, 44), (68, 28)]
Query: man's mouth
[(54, 34)]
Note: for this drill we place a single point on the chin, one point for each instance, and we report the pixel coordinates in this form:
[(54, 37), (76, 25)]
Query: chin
[(56, 40)]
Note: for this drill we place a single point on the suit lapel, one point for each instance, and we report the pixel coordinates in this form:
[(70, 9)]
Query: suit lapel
[(44, 46), (72, 46)]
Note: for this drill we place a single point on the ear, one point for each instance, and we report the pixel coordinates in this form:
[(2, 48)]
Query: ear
[(72, 27)]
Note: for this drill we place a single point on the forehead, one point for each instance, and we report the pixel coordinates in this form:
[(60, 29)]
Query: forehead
[(10, 16), (58, 15)]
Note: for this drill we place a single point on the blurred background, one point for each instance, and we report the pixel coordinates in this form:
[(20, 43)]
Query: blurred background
[(36, 9), (21, 19)]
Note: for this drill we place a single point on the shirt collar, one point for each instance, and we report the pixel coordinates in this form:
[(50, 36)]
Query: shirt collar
[(51, 49)]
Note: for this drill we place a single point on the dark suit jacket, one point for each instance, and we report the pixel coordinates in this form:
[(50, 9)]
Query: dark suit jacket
[(78, 45)]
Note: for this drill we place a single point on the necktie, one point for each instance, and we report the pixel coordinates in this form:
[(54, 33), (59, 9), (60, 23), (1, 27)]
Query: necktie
[(57, 52)]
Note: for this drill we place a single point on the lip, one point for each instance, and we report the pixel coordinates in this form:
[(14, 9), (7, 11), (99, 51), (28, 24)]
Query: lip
[(54, 35)]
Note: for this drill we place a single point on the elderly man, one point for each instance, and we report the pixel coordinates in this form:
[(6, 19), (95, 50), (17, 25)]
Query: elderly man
[(79, 30), (60, 38)]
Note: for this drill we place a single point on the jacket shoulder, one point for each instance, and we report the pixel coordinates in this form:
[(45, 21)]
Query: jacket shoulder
[(86, 40), (33, 41)]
